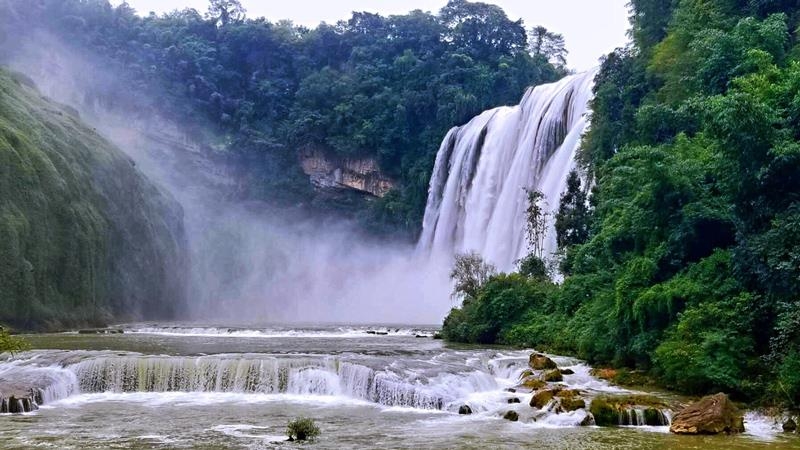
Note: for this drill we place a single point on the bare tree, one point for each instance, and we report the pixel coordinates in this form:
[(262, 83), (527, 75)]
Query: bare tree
[(470, 272)]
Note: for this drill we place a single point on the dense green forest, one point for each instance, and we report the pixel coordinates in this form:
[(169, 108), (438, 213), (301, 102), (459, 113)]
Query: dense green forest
[(685, 263), (84, 237), (261, 92)]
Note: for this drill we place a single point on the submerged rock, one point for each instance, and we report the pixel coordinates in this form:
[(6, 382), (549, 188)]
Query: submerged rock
[(513, 400), (511, 415), (538, 361), (464, 409), (512, 390), (790, 426), (713, 414)]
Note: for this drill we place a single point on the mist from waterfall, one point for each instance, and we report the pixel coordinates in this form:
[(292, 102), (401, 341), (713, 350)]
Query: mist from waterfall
[(478, 190), (250, 262)]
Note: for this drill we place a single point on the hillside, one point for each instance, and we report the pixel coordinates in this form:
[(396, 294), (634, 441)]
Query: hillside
[(85, 237), (373, 89)]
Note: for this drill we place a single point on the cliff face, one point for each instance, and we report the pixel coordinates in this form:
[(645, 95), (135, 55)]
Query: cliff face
[(358, 174), (84, 237)]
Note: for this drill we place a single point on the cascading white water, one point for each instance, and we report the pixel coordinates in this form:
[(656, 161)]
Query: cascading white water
[(477, 196), (273, 375)]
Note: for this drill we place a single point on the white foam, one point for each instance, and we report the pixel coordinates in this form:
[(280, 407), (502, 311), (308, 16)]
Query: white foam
[(342, 332)]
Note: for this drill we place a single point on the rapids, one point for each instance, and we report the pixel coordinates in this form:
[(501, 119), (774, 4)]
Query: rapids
[(188, 386)]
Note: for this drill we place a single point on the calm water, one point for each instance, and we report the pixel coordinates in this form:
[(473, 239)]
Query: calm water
[(180, 386)]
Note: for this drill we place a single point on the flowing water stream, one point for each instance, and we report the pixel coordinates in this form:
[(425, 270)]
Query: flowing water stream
[(189, 386)]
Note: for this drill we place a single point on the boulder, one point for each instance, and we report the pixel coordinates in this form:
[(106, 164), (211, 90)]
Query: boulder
[(538, 361), (587, 421), (464, 409), (553, 376), (570, 400), (713, 414), (567, 372), (511, 415), (533, 383), (790, 426), (542, 398)]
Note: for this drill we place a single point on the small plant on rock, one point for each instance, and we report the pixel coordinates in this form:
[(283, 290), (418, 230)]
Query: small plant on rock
[(302, 429)]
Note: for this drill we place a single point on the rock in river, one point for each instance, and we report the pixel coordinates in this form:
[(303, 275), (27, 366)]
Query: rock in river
[(713, 414), (538, 361)]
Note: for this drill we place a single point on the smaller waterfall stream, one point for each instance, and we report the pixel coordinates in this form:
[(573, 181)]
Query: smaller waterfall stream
[(477, 196)]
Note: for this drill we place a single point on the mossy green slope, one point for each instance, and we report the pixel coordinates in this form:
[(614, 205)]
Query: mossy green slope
[(84, 237)]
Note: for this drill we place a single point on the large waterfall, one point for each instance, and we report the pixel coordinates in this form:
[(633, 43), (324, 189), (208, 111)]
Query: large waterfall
[(477, 197)]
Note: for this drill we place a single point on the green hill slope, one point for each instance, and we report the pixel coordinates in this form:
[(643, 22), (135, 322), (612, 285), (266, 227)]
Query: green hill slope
[(84, 237)]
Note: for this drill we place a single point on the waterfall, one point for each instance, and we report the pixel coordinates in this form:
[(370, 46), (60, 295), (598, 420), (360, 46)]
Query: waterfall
[(275, 375), (477, 196)]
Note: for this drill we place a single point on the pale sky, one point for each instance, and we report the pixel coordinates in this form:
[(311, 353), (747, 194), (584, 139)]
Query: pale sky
[(591, 28)]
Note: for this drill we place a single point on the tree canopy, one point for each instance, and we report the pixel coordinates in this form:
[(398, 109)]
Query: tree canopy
[(388, 88)]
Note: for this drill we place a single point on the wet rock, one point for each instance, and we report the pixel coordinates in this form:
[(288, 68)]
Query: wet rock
[(18, 403), (604, 373), (553, 376), (790, 426), (655, 417), (614, 410), (542, 398), (533, 383), (538, 361), (511, 415), (464, 409), (438, 336), (570, 401), (713, 414), (588, 421), (512, 390), (567, 371), (513, 400), (382, 333)]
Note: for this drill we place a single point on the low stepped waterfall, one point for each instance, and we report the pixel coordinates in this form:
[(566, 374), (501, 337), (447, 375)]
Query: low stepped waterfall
[(438, 389), (487, 382), (477, 196)]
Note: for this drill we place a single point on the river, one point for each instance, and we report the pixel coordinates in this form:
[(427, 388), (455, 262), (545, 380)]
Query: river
[(191, 386)]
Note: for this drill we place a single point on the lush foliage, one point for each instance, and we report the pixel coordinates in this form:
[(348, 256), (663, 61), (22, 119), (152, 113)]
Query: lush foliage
[(302, 429), (11, 344), (685, 261), (82, 234), (387, 88)]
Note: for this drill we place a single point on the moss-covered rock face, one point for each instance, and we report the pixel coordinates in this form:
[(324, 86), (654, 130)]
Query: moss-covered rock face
[(85, 237), (613, 410)]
